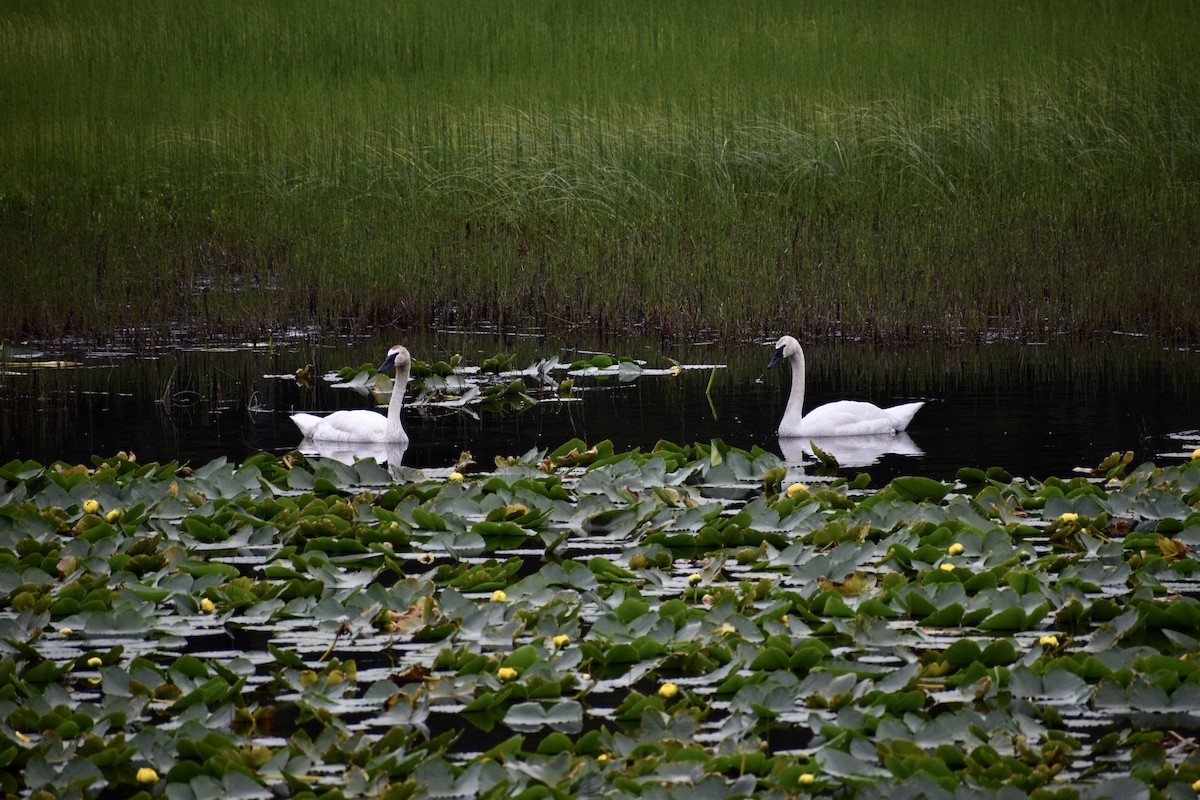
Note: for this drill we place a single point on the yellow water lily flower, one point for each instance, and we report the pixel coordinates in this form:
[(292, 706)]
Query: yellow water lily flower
[(91, 506), (562, 640), (146, 775), (694, 578), (1048, 641), (94, 662), (207, 606), (797, 490), (947, 567), (955, 549), (807, 779), (457, 477), (1196, 457), (1070, 516), (114, 516), (499, 596), (668, 690), (506, 673)]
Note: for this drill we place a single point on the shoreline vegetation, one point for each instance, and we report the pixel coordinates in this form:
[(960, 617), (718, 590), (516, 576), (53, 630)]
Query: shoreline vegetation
[(918, 171)]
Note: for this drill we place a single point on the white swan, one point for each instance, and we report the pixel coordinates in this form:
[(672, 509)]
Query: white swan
[(840, 418), (361, 425)]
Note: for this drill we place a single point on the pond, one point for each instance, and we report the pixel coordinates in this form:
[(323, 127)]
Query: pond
[(700, 620), (1034, 408)]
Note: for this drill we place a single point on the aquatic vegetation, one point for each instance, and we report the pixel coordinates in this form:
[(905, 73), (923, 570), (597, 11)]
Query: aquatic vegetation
[(495, 385), (936, 172), (589, 622)]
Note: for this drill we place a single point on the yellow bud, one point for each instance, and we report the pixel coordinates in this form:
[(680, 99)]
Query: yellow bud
[(1048, 641), (1196, 784), (23, 737), (562, 640), (457, 477), (114, 516), (146, 775), (499, 596), (66, 631), (955, 549), (94, 662), (797, 490), (947, 567), (784, 619), (307, 678), (335, 677), (694, 578), (506, 673), (1070, 516), (602, 758), (91, 506), (668, 690), (207, 606), (807, 779), (173, 489), (1196, 457), (676, 369)]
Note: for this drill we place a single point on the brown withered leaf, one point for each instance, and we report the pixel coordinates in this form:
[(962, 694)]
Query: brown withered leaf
[(1172, 549), (418, 673)]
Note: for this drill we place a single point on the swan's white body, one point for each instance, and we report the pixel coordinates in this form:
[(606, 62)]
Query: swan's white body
[(362, 425), (840, 418)]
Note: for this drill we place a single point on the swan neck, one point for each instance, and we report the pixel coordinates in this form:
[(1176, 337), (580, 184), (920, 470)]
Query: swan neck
[(397, 401), (795, 404)]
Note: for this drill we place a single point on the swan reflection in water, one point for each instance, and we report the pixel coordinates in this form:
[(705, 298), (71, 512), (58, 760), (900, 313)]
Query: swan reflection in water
[(390, 453), (850, 451)]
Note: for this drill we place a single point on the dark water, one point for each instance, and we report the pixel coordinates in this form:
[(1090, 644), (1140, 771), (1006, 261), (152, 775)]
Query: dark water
[(1037, 409)]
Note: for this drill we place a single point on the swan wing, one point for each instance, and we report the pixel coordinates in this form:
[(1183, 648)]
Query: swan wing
[(903, 414), (844, 418), (307, 423), (358, 425)]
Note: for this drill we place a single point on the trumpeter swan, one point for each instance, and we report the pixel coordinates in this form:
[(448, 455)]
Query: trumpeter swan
[(361, 425), (840, 418)]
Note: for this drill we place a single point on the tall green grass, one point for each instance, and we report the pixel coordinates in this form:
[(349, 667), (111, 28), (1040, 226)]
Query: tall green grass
[(912, 169)]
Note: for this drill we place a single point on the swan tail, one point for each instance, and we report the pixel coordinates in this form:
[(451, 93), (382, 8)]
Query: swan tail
[(901, 415), (307, 423)]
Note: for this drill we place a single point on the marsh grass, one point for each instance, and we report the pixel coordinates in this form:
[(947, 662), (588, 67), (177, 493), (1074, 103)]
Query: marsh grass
[(908, 171)]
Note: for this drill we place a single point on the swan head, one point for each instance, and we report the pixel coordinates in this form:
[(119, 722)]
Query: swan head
[(397, 358), (786, 347)]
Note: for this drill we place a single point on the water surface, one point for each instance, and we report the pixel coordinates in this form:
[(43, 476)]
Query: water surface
[(1037, 409)]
